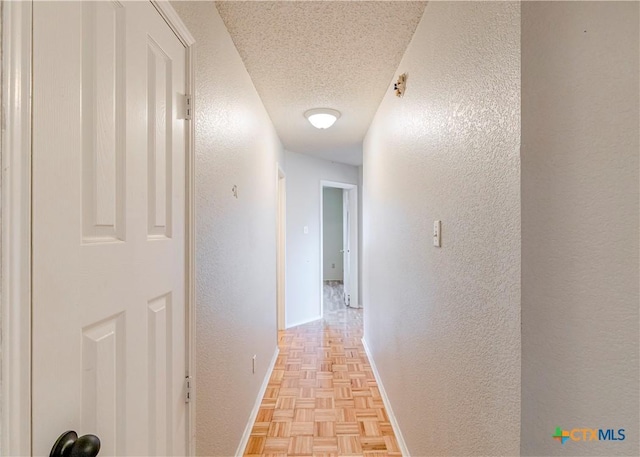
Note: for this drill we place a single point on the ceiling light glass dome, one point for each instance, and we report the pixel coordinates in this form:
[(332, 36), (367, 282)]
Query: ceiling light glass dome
[(322, 118)]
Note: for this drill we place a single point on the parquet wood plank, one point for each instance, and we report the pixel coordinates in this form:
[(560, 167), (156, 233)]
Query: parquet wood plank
[(322, 399)]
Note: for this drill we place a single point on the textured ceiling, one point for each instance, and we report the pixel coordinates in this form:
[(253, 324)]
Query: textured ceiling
[(322, 54)]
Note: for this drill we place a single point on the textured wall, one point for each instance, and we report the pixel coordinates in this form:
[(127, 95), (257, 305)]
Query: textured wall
[(2, 122), (304, 174), (235, 240), (332, 234), (444, 324), (580, 183), (360, 234)]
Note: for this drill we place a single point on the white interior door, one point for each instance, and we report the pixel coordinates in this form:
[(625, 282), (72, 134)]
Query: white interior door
[(108, 228), (352, 197), (346, 249), (350, 251)]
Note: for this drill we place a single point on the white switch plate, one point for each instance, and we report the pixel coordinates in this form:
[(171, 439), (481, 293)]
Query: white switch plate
[(436, 234), (306, 230)]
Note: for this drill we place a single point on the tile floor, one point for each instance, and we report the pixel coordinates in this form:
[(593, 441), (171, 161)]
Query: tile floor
[(333, 292), (322, 398)]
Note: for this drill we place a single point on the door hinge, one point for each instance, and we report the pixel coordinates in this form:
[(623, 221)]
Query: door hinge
[(187, 384), (185, 109), (188, 107)]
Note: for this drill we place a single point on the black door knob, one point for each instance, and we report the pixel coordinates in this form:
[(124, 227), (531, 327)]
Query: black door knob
[(69, 445)]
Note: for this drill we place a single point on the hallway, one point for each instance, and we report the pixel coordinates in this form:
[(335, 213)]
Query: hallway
[(320, 228), (322, 398)]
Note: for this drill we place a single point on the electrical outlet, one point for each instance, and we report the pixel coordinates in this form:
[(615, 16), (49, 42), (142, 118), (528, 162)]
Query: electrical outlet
[(333, 265), (253, 364)]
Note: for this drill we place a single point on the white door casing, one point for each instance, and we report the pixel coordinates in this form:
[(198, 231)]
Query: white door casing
[(16, 229), (109, 228)]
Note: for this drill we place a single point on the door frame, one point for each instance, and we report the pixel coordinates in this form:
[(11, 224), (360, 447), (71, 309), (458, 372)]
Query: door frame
[(16, 228), (353, 207), (281, 247), (15, 422)]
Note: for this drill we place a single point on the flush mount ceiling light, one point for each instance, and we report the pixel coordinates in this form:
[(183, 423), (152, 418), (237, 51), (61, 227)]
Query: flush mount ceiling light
[(322, 118)]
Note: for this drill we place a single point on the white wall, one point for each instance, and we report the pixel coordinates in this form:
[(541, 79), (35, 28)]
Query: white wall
[(332, 234), (304, 174), (236, 238), (580, 184), (360, 234), (443, 324), (2, 375)]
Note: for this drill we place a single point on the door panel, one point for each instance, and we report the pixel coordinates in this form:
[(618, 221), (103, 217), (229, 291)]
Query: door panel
[(103, 374), (103, 121), (160, 348), (108, 227), (159, 103)]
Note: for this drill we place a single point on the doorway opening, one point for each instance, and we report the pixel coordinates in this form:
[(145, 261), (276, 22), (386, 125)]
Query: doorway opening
[(338, 246), (281, 243)]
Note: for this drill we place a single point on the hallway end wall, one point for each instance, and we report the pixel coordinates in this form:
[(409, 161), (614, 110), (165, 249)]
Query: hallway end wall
[(236, 145), (443, 324), (580, 224), (304, 174)]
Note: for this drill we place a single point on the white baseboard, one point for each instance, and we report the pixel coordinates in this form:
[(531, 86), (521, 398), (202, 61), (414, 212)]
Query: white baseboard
[(387, 403), (256, 406), (303, 322)]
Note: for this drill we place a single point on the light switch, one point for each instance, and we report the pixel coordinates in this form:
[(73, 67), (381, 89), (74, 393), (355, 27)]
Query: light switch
[(436, 234), (306, 230)]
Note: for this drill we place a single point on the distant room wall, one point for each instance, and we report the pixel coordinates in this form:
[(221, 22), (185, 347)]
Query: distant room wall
[(332, 232)]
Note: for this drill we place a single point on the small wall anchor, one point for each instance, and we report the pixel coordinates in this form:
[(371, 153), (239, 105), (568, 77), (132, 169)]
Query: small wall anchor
[(400, 86)]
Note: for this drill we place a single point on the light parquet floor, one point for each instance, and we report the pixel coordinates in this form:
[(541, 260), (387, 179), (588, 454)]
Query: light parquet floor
[(322, 398)]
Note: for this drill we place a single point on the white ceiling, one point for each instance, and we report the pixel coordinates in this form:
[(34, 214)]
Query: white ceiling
[(322, 54)]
